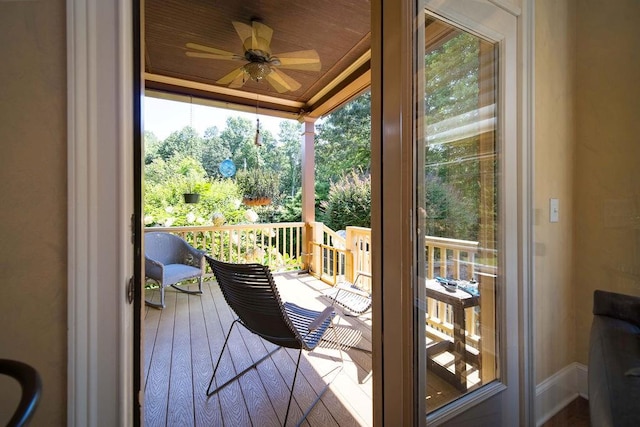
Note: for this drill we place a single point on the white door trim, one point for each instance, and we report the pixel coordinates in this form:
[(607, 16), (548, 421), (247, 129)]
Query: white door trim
[(100, 202)]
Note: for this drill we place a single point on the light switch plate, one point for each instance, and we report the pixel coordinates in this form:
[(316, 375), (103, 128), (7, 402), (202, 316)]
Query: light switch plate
[(554, 210)]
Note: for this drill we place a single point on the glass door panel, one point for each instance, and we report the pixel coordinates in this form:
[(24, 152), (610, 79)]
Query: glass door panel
[(458, 221)]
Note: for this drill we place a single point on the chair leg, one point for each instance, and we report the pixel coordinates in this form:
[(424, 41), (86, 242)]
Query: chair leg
[(326, 387), (215, 369), (187, 291), (293, 383), (156, 305), (337, 371)]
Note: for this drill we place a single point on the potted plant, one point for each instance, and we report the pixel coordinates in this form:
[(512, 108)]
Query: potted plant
[(191, 194), (191, 197), (258, 187)]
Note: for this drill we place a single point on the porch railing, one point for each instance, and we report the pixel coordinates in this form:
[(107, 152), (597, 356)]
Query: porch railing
[(333, 257), (342, 258), (277, 245), (456, 259)]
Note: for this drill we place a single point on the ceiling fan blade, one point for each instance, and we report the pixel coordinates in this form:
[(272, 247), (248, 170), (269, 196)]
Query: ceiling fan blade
[(213, 56), (300, 60), (276, 85), (208, 49), (234, 79), (244, 31), (261, 34), (280, 80)]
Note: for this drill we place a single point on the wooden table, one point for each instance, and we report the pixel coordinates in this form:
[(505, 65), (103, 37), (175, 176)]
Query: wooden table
[(459, 301)]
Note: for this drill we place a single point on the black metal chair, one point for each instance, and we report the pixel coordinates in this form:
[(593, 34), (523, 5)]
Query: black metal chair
[(251, 292), (31, 385)]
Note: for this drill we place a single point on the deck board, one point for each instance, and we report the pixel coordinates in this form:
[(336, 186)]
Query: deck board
[(206, 409), (157, 386), (183, 341), (180, 410), (234, 407)]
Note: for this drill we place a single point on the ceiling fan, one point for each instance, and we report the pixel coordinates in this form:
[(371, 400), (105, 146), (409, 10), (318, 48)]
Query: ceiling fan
[(260, 63)]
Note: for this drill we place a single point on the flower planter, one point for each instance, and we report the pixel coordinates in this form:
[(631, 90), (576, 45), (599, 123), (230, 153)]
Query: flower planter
[(191, 197), (256, 201)]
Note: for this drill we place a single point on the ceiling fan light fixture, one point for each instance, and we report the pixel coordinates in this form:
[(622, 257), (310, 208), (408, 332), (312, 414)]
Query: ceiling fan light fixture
[(256, 70)]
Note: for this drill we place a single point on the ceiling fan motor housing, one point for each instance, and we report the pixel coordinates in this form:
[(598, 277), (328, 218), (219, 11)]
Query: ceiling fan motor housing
[(257, 46)]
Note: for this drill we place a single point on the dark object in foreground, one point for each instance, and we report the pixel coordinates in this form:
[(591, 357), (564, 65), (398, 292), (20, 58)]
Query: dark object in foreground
[(31, 385), (614, 356)]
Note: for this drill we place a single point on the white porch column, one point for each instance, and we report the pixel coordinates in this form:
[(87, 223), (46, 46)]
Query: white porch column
[(308, 186), (308, 169)]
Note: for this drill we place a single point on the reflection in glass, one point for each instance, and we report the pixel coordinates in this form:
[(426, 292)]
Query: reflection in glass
[(458, 212)]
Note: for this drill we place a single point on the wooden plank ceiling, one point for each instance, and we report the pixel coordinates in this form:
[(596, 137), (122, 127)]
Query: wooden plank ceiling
[(338, 30)]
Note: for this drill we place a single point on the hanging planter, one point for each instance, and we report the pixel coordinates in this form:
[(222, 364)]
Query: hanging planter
[(257, 201), (191, 197), (258, 187), (192, 178)]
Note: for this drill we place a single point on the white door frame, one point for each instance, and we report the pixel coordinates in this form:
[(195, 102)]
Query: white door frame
[(100, 204)]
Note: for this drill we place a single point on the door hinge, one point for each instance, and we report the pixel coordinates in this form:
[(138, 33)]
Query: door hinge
[(130, 290), (133, 229)]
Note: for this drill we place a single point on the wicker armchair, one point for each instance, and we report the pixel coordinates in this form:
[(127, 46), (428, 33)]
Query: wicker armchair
[(170, 260)]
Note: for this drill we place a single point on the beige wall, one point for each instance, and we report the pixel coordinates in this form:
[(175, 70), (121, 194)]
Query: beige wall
[(33, 197), (607, 155), (587, 152), (554, 134)]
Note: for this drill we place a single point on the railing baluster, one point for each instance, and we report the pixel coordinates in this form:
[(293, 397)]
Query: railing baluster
[(456, 263)]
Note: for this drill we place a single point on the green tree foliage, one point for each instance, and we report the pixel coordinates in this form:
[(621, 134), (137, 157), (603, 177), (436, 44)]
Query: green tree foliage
[(186, 162), (451, 86), (349, 202), (342, 145), (151, 146), (270, 155), (165, 183), (291, 163), (238, 137), (343, 141), (448, 213), (214, 152), (185, 142), (452, 165), (291, 208)]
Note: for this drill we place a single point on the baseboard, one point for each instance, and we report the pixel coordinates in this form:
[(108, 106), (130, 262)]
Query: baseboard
[(560, 389)]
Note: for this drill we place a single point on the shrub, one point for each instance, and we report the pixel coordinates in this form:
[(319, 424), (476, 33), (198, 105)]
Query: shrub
[(165, 183), (348, 202)]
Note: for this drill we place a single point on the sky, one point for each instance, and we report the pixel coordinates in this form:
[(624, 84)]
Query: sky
[(163, 116)]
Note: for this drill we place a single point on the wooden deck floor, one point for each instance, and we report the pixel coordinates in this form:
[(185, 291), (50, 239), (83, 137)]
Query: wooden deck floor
[(183, 341)]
